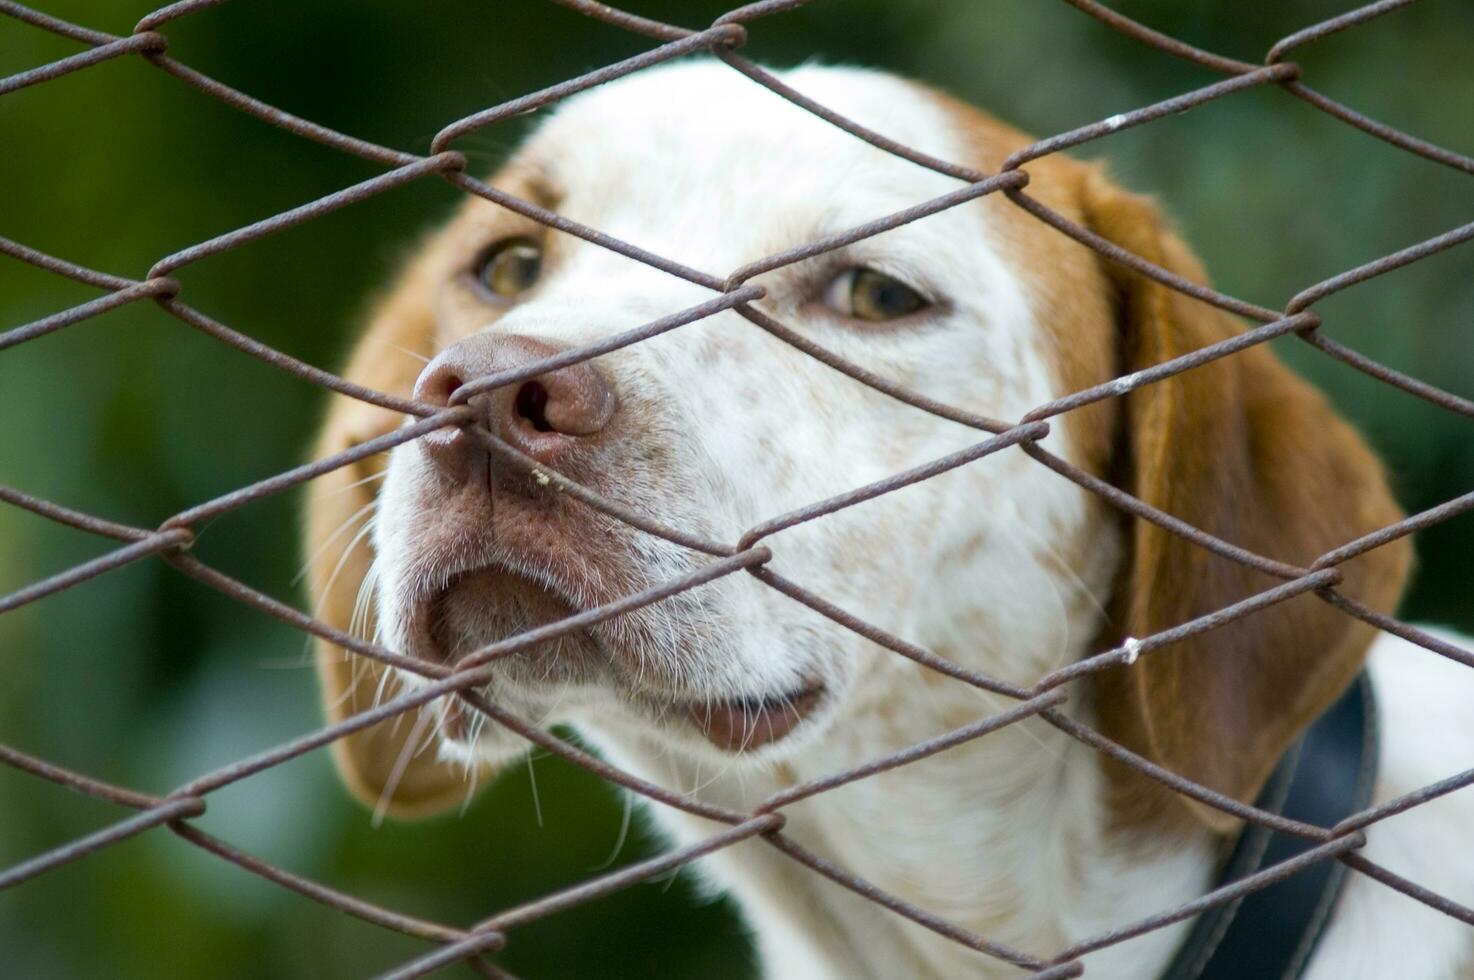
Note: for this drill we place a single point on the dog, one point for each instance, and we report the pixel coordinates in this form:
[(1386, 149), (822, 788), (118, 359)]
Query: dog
[(732, 691)]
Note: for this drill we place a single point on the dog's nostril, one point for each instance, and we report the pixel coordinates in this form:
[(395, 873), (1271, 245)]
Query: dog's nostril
[(436, 387), (532, 405), (543, 414)]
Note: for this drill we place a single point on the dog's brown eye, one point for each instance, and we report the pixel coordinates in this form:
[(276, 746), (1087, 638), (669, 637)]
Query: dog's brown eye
[(866, 294), (510, 267)]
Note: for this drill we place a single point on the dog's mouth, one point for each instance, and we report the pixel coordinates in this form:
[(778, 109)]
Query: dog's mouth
[(477, 608), (750, 723)]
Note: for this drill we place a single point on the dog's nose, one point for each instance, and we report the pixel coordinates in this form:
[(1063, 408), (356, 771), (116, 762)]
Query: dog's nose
[(544, 416)]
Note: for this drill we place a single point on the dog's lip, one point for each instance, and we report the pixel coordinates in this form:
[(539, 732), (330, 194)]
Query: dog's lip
[(427, 642), (753, 722), (426, 610), (734, 724)]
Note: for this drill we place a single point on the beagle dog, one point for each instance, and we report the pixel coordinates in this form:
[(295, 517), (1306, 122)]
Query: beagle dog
[(731, 691)]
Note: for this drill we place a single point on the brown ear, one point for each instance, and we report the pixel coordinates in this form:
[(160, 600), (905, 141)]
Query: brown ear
[(1247, 451), (384, 360)]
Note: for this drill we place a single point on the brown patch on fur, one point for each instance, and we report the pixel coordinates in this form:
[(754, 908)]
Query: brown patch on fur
[(1241, 448), (1068, 291), (1244, 449), (406, 320)]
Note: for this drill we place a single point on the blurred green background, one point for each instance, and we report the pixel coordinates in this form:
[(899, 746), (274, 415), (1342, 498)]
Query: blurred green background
[(144, 678)]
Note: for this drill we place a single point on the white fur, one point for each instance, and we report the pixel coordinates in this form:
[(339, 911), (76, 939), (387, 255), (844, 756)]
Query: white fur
[(1006, 835), (1423, 700)]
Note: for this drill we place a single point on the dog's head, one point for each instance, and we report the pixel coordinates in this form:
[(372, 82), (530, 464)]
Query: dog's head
[(717, 426)]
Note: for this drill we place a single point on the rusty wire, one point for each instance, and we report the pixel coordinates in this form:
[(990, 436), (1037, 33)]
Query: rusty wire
[(172, 539)]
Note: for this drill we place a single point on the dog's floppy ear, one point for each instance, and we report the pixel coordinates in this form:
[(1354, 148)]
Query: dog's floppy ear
[(1247, 451), (338, 507)]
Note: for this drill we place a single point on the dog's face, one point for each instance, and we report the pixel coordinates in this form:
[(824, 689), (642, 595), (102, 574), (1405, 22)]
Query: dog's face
[(718, 426)]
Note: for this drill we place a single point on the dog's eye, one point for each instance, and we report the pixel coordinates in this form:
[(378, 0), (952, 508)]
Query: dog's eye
[(865, 294), (510, 268)]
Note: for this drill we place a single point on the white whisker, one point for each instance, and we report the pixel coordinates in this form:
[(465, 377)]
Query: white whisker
[(624, 828), (328, 541), (405, 350), (537, 806), (401, 764), (327, 589)]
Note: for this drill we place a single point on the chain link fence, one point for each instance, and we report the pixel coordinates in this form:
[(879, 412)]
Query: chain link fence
[(171, 541)]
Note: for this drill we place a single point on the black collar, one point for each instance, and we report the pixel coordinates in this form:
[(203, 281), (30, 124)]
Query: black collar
[(1269, 934)]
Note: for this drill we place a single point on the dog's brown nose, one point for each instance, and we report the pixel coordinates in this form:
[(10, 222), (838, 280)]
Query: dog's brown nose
[(545, 416)]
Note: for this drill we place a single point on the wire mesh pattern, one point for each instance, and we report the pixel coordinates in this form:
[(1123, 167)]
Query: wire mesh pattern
[(170, 542)]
